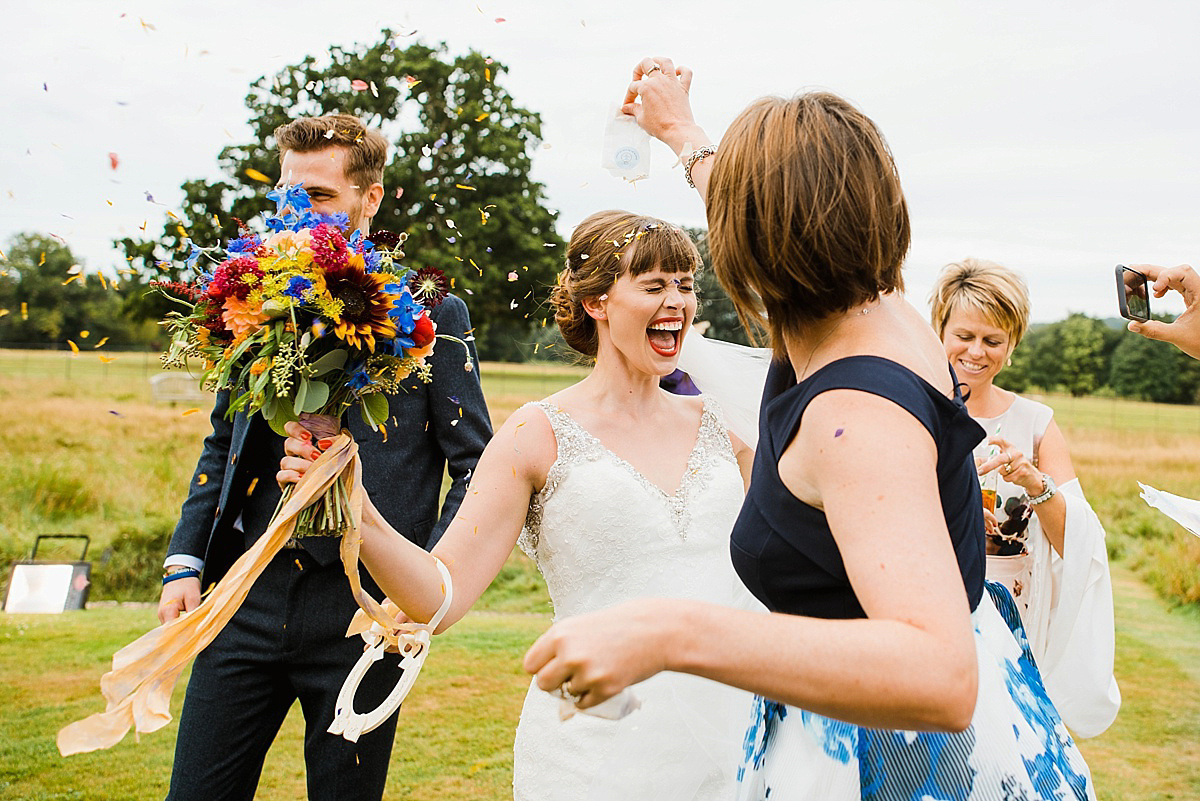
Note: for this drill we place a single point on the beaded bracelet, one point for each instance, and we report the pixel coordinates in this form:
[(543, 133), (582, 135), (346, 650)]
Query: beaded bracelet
[(181, 574)]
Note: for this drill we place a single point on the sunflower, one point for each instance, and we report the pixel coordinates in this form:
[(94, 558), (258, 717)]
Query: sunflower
[(364, 305)]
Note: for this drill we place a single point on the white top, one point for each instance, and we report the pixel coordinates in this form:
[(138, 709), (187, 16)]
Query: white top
[(1065, 601)]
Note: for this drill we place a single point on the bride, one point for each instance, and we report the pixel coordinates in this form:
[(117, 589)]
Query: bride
[(617, 490)]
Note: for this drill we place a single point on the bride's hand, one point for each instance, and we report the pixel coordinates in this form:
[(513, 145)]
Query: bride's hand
[(300, 453), (595, 656), (665, 110)]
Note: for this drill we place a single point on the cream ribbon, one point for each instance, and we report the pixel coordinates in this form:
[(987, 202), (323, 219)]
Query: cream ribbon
[(137, 690)]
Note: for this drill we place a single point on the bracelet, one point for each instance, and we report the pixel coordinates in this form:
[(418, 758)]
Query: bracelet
[(187, 572), (1048, 491), (697, 155)]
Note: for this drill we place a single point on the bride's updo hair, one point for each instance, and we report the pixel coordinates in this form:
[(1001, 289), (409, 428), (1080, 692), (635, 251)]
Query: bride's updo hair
[(604, 247)]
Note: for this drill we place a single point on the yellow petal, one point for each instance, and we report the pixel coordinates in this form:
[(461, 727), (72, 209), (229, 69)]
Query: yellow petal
[(255, 175)]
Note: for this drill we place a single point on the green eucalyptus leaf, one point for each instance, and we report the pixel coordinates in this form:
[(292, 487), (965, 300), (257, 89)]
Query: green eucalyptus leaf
[(334, 360), (318, 394)]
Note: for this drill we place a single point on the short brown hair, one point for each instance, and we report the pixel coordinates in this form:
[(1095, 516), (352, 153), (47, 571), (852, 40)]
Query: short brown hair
[(992, 289), (604, 247), (366, 149), (805, 212)]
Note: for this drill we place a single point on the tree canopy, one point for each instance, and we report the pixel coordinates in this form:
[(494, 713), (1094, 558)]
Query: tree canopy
[(46, 298), (458, 183)]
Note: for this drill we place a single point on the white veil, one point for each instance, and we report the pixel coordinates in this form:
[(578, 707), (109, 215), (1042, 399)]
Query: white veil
[(732, 375)]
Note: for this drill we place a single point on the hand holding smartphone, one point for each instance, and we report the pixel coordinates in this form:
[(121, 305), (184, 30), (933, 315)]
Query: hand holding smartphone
[(1133, 294)]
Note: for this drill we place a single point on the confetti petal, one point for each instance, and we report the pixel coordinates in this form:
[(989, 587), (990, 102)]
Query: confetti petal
[(255, 175), (74, 347), (358, 85), (189, 411), (113, 160)]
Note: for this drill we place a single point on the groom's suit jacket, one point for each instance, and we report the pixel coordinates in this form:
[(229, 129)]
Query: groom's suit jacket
[(432, 427)]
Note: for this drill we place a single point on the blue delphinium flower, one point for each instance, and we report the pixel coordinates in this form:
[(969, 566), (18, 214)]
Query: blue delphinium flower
[(297, 286), (338, 219), (287, 195), (244, 244), (193, 253), (405, 309), (359, 381)]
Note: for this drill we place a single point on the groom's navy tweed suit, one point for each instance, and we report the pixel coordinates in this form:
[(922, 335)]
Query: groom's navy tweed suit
[(287, 641)]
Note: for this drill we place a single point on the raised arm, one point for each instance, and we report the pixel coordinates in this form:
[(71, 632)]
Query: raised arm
[(478, 540), (665, 112)]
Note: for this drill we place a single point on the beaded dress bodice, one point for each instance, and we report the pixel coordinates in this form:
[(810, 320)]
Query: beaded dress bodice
[(601, 532)]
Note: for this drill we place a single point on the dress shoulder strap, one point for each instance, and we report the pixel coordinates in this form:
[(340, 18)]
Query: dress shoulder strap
[(865, 373)]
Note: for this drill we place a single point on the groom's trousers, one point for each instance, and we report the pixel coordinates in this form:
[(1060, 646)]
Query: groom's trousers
[(286, 642)]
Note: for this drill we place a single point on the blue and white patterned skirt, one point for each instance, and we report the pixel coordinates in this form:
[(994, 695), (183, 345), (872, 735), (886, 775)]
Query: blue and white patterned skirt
[(1016, 748)]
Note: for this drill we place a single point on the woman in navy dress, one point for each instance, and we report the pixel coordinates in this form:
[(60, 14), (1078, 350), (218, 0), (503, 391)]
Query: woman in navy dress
[(893, 672)]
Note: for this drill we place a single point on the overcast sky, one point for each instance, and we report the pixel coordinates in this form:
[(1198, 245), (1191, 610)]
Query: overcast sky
[(1059, 139)]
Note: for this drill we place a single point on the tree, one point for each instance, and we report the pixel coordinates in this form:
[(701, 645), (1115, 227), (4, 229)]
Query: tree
[(715, 306), (1154, 371), (458, 182), (1082, 354), (46, 297)]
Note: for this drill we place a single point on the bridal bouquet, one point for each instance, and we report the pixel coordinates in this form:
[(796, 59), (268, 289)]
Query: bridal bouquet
[(305, 322)]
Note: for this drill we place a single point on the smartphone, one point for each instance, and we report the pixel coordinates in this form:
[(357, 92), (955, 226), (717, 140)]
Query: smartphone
[(1133, 294)]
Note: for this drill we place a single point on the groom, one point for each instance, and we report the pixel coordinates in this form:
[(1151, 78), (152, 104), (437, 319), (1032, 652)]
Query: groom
[(287, 641)]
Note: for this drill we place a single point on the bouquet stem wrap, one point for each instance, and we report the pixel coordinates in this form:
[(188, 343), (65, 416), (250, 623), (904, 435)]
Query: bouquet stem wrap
[(137, 690)]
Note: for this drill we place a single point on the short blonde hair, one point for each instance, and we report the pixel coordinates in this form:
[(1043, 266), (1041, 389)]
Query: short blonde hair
[(806, 216), (604, 247), (992, 289)]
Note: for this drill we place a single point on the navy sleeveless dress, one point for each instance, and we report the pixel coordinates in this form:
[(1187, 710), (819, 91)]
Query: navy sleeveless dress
[(1016, 747)]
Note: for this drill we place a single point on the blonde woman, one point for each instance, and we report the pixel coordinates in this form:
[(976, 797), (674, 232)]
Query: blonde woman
[(1048, 547)]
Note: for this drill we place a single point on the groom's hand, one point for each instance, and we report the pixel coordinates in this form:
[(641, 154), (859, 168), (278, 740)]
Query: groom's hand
[(299, 454)]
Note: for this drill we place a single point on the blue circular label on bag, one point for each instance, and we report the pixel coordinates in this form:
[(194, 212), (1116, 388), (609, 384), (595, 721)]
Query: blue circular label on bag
[(626, 157)]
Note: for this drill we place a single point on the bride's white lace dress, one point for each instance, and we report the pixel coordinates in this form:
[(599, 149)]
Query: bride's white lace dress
[(601, 533)]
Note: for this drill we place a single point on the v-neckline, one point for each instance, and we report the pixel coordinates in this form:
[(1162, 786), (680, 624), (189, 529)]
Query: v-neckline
[(689, 468)]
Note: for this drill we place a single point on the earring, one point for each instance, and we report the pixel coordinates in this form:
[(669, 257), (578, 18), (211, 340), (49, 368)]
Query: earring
[(1009, 362)]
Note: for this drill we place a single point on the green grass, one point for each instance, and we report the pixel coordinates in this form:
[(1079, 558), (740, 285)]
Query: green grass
[(454, 740), (93, 454)]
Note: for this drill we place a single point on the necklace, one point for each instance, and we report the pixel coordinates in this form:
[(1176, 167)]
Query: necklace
[(860, 313)]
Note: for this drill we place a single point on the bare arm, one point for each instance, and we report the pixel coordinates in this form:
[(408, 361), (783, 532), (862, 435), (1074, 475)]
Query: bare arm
[(477, 541), (911, 664)]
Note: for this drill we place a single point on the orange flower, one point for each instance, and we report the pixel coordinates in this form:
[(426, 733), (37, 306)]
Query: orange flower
[(242, 317), (260, 366)]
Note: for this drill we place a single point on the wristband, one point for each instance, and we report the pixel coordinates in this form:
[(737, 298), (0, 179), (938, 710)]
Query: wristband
[(188, 572)]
